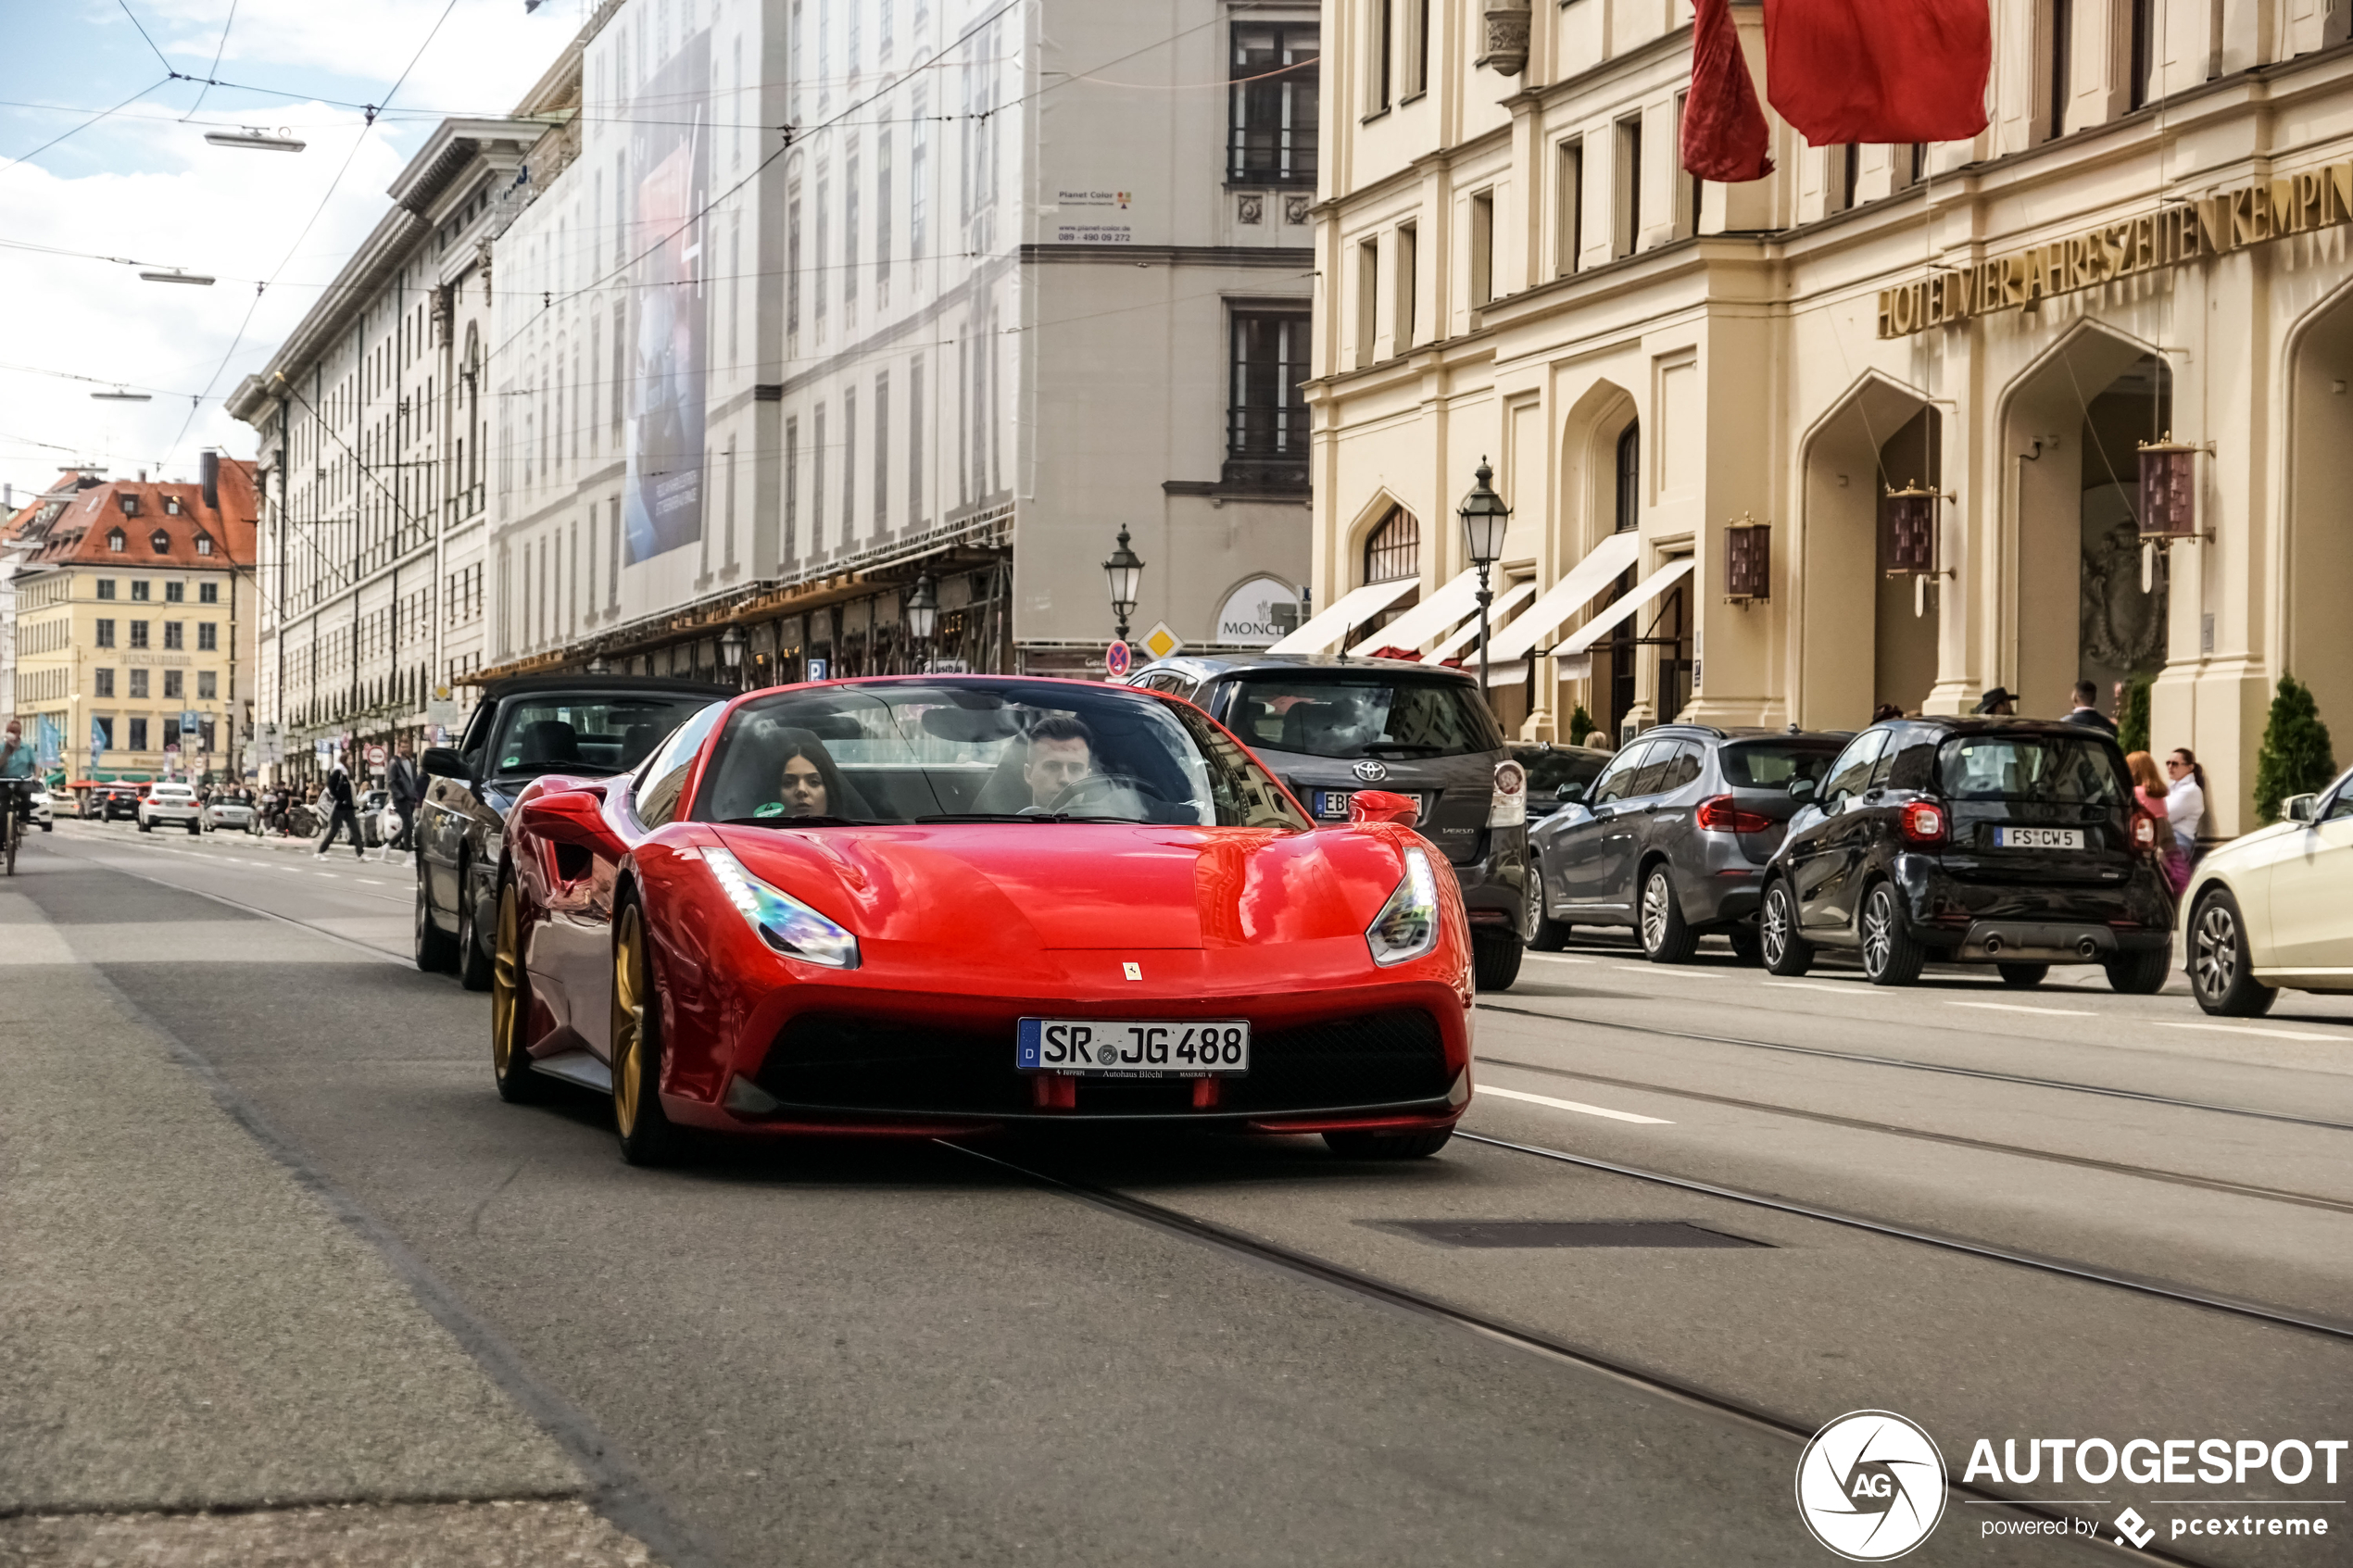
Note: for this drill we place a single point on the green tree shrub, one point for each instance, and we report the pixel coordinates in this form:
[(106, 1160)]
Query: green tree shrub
[(1580, 724), (2133, 724), (2296, 758)]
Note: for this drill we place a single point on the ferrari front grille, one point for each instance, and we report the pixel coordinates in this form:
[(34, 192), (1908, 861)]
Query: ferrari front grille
[(846, 1062)]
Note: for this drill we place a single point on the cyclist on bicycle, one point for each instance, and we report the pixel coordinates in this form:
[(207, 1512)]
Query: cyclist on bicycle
[(15, 764)]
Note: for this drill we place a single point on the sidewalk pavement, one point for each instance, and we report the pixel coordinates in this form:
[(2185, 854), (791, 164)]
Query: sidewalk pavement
[(203, 1360)]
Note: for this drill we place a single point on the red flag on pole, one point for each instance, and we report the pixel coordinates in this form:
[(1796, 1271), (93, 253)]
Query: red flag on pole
[(1724, 133), (1878, 70)]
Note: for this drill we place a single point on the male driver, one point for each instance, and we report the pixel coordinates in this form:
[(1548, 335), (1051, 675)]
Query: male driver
[(1062, 752), (2085, 713)]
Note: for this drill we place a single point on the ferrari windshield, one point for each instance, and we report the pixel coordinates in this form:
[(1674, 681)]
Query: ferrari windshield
[(990, 751)]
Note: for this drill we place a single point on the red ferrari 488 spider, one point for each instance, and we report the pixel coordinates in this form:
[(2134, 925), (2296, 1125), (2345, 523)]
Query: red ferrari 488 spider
[(935, 905)]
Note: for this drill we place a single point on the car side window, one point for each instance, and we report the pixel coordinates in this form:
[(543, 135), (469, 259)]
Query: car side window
[(1854, 765), (664, 777), (1909, 762), (1614, 783), (1683, 768)]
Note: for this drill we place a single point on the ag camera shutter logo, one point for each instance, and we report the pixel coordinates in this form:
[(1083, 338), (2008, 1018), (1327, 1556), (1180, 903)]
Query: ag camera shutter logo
[(1870, 1486)]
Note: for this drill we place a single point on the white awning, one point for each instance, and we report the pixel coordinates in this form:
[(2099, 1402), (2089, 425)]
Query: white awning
[(1467, 636), (1608, 562), (1351, 608), (1649, 588), (1434, 617)]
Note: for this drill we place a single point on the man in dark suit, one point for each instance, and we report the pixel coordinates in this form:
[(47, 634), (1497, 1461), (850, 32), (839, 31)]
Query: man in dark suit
[(2085, 713), (407, 787)]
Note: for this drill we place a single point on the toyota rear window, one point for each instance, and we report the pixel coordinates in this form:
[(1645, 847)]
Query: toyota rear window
[(1774, 764), (1375, 716), (2053, 769)]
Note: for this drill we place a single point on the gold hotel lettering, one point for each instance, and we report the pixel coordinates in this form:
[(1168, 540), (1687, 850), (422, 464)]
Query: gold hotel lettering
[(2208, 226)]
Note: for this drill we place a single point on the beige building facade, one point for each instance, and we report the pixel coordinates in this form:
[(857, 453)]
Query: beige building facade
[(2150, 238)]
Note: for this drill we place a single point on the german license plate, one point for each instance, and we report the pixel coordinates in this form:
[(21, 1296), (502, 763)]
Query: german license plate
[(2039, 838), (1332, 805), (1130, 1048)]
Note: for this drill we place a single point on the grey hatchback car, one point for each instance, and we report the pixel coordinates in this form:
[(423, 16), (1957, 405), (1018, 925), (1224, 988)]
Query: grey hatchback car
[(1329, 726), (1673, 839)]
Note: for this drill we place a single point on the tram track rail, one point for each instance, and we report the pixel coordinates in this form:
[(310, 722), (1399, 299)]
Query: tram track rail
[(1497, 1330), (1867, 1059), (2278, 1317), (1957, 1140)]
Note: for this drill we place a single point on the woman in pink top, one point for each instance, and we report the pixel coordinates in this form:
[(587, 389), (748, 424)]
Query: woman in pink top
[(2148, 788)]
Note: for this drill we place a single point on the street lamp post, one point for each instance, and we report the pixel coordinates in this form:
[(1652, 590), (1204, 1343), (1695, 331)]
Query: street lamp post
[(731, 654), (922, 618), (1484, 518), (1124, 572)]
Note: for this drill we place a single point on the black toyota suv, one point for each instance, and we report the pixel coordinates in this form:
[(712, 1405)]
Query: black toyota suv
[(1331, 725), (2014, 843), (1672, 838), (524, 727)]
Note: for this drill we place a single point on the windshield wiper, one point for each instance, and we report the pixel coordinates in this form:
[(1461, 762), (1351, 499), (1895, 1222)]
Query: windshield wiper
[(1423, 746), (781, 821), (1019, 817)]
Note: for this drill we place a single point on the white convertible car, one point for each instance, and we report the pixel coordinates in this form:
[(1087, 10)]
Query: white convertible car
[(2273, 910)]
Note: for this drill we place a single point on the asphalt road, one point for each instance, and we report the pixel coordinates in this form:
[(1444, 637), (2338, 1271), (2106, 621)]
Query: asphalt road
[(2005, 1214)]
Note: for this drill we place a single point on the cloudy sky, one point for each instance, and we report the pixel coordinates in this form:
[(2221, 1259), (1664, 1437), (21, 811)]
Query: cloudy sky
[(143, 184)]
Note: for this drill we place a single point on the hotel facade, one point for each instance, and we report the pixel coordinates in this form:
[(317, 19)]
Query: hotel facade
[(1868, 431)]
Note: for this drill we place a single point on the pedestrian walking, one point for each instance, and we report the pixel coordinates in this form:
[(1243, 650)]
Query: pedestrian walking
[(1998, 703), (2149, 788), (408, 787), (342, 813), (2185, 800), (2087, 710)]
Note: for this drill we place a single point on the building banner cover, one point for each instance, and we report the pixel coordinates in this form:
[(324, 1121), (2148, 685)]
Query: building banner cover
[(670, 155)]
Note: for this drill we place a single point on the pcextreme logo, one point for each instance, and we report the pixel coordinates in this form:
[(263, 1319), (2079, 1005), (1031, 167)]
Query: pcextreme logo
[(1870, 1486)]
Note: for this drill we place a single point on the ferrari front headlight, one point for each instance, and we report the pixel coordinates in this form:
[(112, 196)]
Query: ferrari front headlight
[(1407, 925), (781, 921)]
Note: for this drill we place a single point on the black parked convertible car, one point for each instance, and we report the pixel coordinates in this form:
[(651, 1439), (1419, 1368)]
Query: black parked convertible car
[(587, 725), (2008, 842)]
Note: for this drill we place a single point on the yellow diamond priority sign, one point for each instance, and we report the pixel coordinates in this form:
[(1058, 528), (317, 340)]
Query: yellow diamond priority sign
[(1161, 643)]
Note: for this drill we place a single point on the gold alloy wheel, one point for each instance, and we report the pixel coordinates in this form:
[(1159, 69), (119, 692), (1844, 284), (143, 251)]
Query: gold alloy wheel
[(628, 1017), (506, 1013)]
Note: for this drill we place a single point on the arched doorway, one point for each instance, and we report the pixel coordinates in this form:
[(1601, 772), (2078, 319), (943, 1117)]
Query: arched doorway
[(1867, 638), (2316, 635), (2074, 606)]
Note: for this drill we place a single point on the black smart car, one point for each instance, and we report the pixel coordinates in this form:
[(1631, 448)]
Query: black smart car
[(1331, 725), (526, 726), (2008, 842), (1672, 838)]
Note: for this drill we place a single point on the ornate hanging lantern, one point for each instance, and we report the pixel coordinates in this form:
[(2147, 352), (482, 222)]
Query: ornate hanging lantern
[(1748, 561), (2169, 491), (1907, 530)]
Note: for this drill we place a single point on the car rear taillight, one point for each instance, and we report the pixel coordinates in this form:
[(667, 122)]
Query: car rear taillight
[(1509, 807), (2144, 831), (1720, 813), (1922, 822)]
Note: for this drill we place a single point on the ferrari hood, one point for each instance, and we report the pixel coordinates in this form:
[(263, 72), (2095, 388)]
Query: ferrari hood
[(1079, 885)]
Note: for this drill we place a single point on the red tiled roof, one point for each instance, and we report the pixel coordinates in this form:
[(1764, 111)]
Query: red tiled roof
[(81, 532)]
